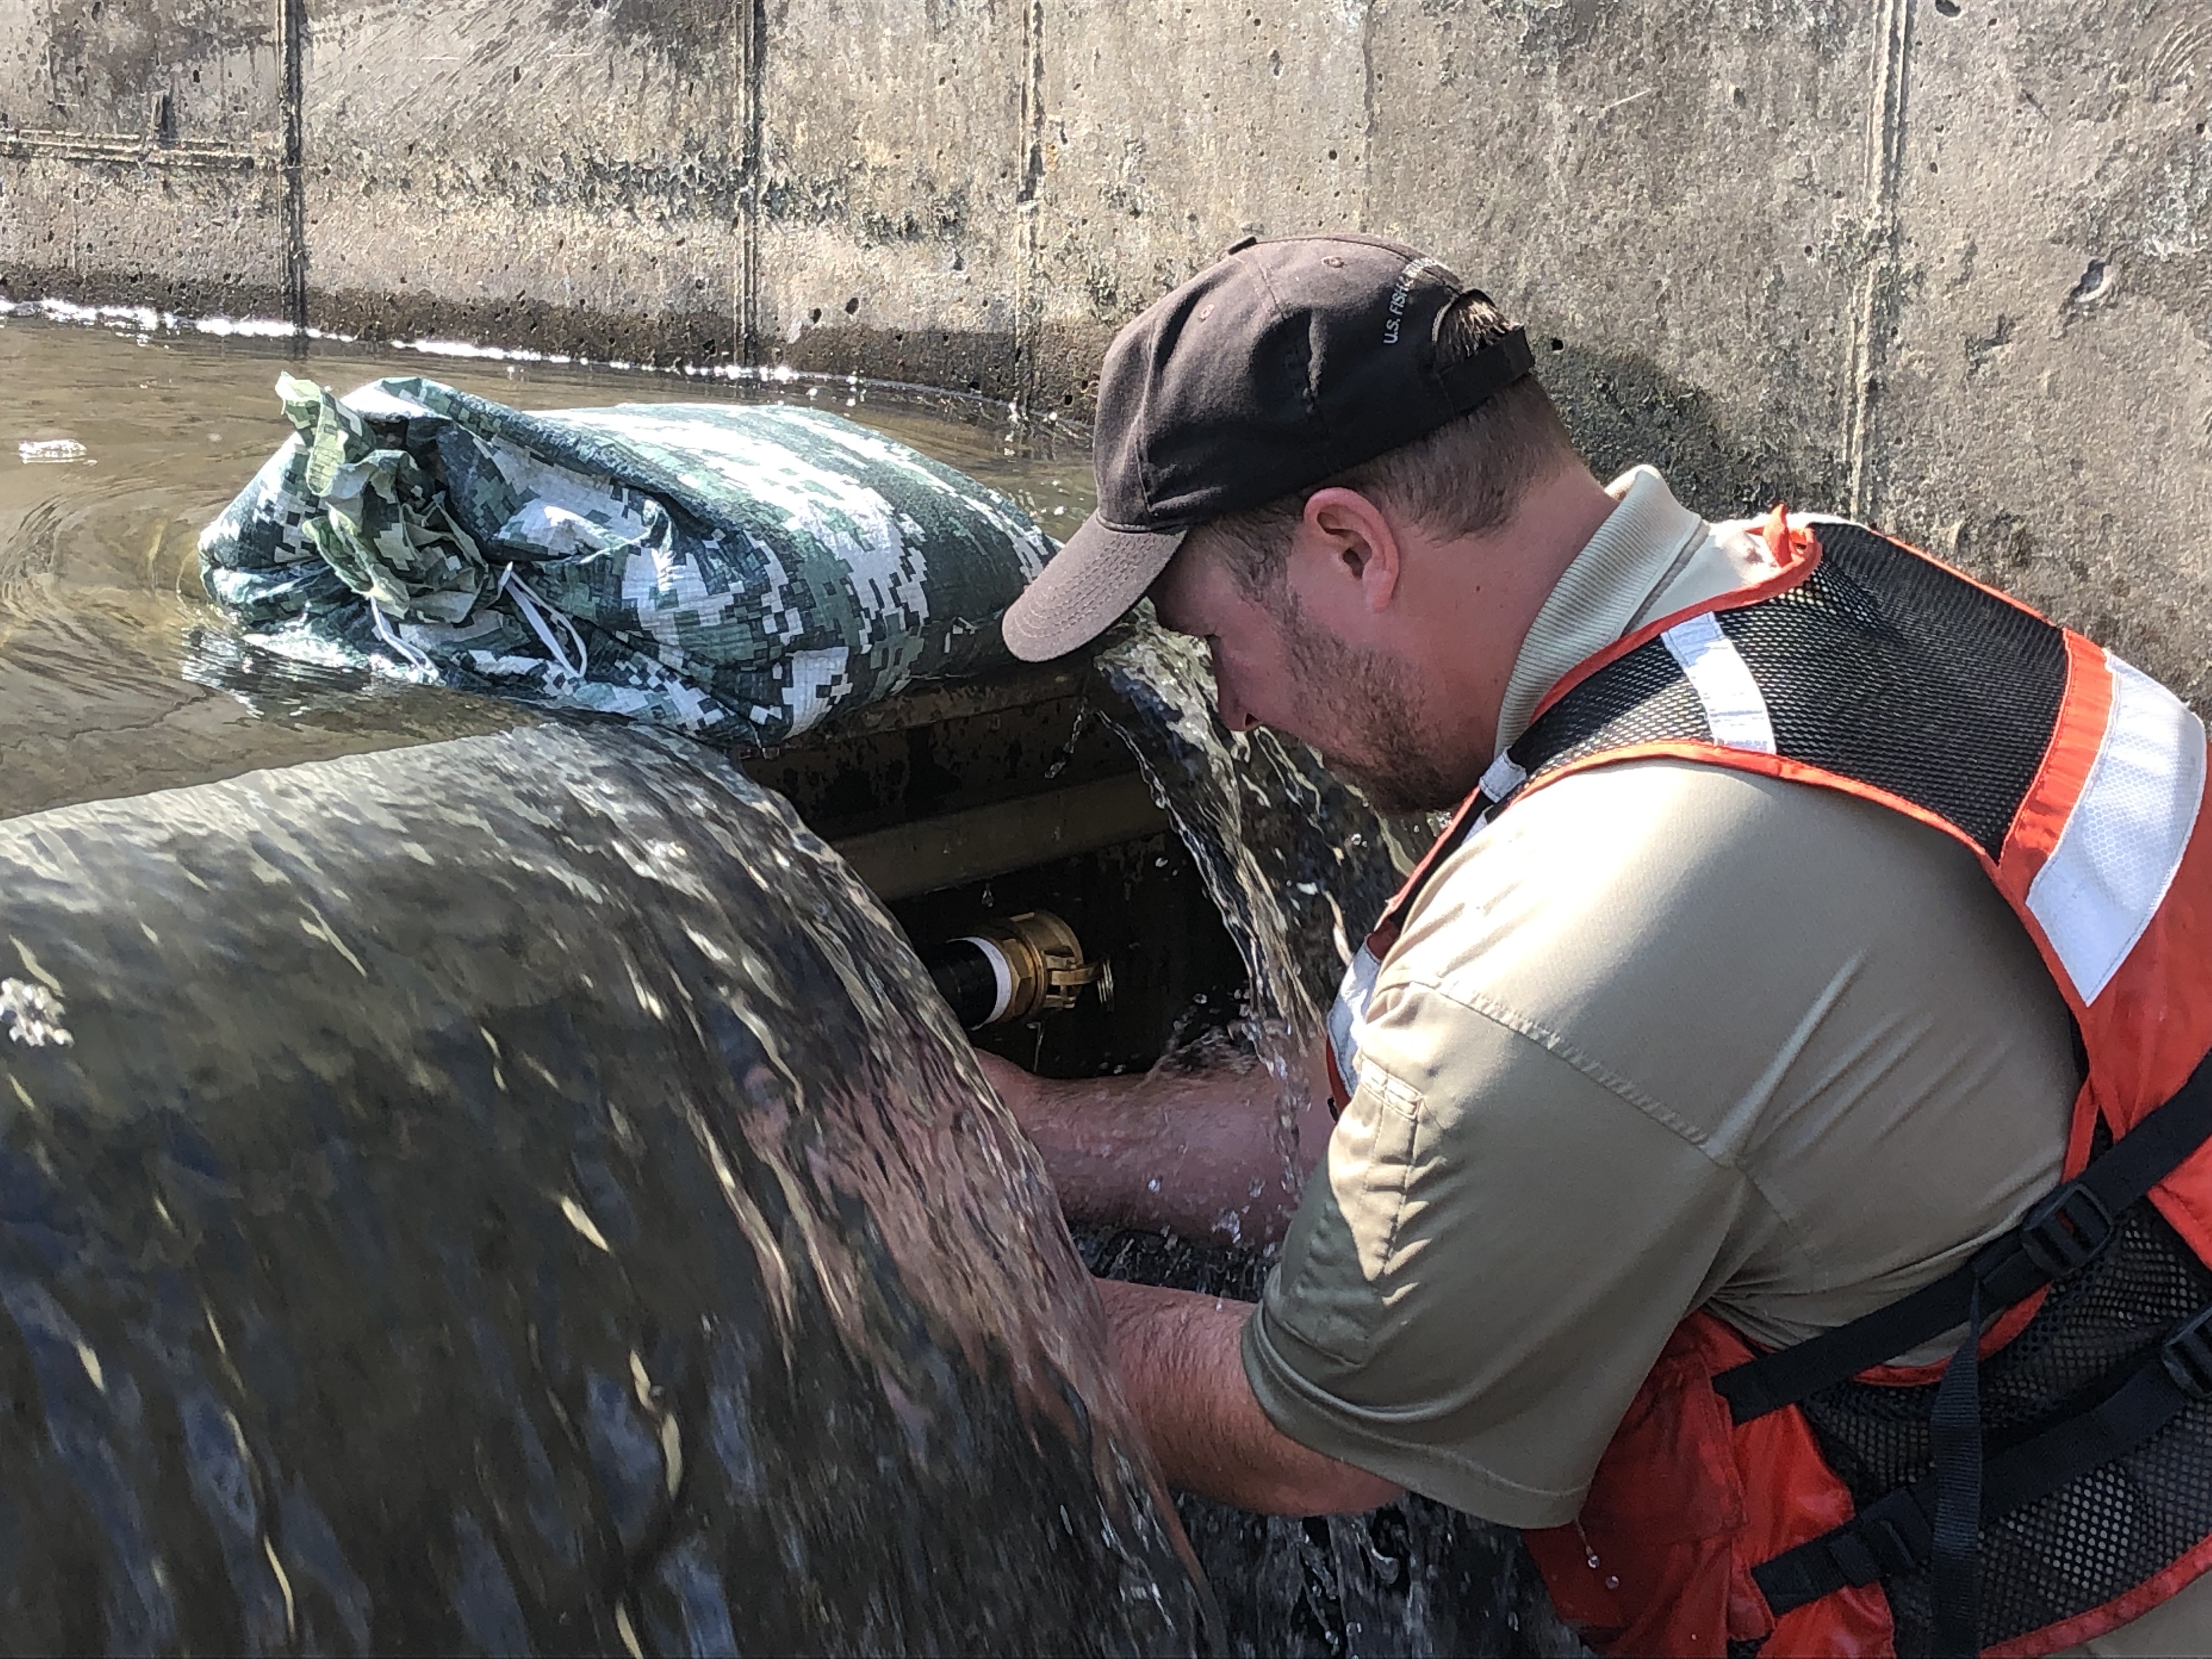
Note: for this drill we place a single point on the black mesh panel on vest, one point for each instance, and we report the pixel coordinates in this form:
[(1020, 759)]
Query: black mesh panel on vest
[(2094, 1540), (1881, 666), (1640, 697), (1888, 668)]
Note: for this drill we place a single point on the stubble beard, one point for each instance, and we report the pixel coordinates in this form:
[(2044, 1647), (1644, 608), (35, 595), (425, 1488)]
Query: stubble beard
[(1378, 710)]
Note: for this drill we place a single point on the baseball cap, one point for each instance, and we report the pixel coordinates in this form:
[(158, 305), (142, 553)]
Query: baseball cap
[(1285, 363)]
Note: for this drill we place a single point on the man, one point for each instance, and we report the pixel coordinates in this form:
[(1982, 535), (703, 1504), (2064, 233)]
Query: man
[(1671, 1055)]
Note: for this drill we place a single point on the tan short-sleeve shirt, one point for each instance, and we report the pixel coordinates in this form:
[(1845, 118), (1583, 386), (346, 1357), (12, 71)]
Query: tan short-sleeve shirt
[(1662, 1037)]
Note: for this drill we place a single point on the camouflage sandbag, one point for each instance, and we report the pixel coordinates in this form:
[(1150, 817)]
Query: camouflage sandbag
[(737, 574)]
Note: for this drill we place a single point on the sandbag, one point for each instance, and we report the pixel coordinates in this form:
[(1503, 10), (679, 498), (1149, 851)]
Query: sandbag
[(518, 1194), (736, 573)]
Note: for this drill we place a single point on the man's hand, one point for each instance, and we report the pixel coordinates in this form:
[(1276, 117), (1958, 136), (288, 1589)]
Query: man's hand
[(1182, 1366), (1205, 1154)]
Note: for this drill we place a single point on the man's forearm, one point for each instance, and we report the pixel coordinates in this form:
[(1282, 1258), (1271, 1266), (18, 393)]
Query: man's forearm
[(1205, 1154), (1179, 1355)]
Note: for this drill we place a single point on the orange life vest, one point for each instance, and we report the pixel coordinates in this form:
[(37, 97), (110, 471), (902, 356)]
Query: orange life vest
[(2054, 1478)]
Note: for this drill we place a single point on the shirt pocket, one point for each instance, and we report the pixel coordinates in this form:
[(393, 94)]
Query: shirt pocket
[(1334, 1292)]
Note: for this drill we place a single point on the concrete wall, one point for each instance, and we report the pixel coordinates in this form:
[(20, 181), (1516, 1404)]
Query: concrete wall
[(1944, 263)]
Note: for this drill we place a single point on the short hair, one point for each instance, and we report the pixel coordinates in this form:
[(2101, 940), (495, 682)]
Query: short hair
[(1466, 476)]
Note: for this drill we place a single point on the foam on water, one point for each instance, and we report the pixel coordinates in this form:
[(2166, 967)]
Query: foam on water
[(49, 451), (147, 321)]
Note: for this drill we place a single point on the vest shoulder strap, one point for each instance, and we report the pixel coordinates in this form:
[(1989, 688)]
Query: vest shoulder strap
[(1880, 668)]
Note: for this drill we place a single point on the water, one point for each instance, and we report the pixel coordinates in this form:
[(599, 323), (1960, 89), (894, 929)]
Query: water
[(1300, 866), (116, 677), (519, 1193)]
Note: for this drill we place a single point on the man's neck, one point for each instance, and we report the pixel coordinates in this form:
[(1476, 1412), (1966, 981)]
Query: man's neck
[(1482, 593)]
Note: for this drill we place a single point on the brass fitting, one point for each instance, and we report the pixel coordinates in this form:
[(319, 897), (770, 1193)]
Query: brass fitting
[(1039, 965)]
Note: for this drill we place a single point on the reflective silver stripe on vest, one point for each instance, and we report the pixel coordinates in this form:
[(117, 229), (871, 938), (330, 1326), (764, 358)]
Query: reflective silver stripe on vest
[(1502, 777), (1736, 710), (2123, 841), (1501, 780), (1348, 1014)]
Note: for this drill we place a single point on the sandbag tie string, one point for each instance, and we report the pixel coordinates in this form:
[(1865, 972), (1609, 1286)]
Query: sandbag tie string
[(533, 610)]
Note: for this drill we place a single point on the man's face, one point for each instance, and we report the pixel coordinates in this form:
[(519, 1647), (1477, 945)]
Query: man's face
[(1360, 707)]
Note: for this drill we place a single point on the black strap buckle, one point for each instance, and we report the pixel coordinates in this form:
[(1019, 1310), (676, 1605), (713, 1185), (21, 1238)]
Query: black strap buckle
[(2187, 1356), (2067, 1230), (1891, 1537)]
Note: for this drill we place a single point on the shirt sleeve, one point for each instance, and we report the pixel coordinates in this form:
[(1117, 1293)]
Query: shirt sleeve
[(1501, 1240)]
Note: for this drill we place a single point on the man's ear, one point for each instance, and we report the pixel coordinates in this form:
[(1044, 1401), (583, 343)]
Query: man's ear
[(1358, 544)]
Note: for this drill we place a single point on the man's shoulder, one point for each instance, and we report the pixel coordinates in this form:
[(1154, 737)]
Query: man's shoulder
[(1665, 882), (1663, 830), (1728, 952)]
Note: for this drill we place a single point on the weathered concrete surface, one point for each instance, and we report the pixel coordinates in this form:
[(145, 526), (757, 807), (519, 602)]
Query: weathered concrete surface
[(1168, 129), (131, 144), (564, 172), (1666, 194), (1942, 262), (892, 174), (2042, 401), (183, 73)]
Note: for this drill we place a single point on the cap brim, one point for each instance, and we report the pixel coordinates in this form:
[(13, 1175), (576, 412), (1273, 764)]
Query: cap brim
[(1086, 587)]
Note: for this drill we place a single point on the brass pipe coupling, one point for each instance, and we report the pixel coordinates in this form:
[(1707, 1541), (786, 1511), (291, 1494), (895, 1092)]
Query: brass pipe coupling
[(1015, 969)]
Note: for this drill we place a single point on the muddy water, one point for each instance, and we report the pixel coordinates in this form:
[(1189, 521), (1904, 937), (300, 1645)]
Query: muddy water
[(116, 675)]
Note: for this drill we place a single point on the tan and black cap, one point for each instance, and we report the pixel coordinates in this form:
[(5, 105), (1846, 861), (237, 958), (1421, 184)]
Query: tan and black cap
[(1284, 363)]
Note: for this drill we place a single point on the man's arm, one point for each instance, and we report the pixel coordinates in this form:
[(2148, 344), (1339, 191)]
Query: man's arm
[(1205, 1154), (1180, 1358)]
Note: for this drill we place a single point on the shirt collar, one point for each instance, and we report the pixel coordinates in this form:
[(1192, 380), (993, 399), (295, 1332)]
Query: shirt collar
[(1600, 597)]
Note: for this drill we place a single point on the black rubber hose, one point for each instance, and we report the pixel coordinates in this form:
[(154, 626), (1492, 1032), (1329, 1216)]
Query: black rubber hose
[(965, 977)]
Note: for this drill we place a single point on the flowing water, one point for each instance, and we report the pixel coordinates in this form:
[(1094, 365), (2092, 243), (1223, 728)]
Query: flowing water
[(1299, 867), (860, 1374), (518, 1193)]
